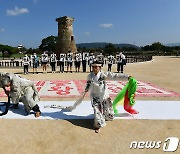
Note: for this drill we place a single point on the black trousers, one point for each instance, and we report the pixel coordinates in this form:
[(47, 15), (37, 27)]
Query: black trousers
[(120, 67), (61, 66), (84, 65), (90, 68), (77, 64), (25, 68), (109, 67), (53, 66)]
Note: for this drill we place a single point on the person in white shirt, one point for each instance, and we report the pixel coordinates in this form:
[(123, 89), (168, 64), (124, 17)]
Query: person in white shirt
[(53, 61), (119, 62), (44, 61), (62, 60), (69, 58), (26, 61), (100, 59), (110, 62), (100, 99), (91, 60), (123, 59), (85, 57), (78, 59), (35, 61)]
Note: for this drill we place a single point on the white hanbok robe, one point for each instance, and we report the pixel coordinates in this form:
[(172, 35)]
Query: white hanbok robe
[(100, 100), (23, 90)]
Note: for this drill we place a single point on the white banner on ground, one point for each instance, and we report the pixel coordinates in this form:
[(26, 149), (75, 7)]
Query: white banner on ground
[(153, 110)]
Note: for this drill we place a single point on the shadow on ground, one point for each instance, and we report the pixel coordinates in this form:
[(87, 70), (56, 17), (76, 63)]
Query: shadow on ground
[(85, 123)]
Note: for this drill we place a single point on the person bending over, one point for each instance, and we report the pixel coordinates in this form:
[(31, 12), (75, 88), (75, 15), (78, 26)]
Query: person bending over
[(22, 90)]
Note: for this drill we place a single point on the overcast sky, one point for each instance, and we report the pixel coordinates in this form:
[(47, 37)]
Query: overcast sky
[(139, 22)]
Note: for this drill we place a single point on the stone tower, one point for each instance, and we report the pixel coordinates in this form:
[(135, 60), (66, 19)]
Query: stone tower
[(65, 41)]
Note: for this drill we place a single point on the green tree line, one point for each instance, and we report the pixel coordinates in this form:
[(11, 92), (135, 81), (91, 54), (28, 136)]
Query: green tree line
[(49, 44)]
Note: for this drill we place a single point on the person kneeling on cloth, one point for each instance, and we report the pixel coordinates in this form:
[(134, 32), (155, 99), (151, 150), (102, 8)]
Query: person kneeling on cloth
[(22, 90), (100, 99)]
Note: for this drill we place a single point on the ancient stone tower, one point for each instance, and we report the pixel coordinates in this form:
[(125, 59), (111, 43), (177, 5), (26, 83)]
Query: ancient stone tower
[(65, 41)]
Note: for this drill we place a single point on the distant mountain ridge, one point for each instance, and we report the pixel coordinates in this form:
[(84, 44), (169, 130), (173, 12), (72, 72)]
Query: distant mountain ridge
[(103, 44), (172, 44)]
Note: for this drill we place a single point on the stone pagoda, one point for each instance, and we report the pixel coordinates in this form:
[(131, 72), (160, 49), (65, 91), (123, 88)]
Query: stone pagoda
[(66, 40)]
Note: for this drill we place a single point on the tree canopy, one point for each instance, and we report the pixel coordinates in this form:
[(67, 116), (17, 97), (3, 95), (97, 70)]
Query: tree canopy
[(48, 43)]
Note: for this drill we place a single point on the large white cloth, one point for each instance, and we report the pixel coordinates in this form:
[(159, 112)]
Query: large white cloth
[(55, 110)]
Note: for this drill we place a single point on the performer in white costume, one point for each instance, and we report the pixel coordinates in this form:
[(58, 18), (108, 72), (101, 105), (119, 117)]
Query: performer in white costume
[(100, 100), (21, 90)]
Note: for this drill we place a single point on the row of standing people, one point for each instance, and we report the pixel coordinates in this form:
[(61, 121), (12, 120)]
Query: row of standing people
[(78, 58)]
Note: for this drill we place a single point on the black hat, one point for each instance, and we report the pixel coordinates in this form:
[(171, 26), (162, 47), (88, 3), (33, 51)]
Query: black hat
[(96, 63)]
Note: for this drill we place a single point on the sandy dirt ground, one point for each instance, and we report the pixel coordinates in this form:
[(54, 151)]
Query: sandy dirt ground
[(78, 136)]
